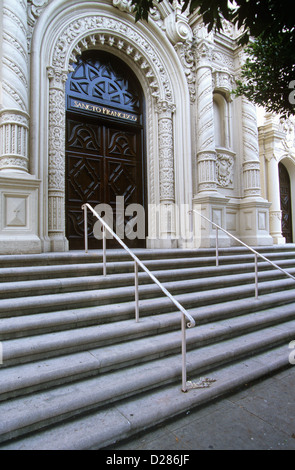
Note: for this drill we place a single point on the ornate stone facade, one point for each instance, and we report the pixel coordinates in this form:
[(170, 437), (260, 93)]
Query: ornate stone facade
[(201, 145)]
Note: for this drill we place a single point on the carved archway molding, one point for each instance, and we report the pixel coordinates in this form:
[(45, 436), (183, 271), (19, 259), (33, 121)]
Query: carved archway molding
[(102, 31)]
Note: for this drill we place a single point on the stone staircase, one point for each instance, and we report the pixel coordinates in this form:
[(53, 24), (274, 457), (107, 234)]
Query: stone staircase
[(79, 373)]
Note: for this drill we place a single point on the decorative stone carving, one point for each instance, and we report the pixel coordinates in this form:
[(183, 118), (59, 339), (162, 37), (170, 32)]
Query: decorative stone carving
[(225, 169), (56, 164), (223, 81), (177, 26), (35, 8), (186, 55), (287, 126), (166, 151), (100, 30), (124, 5)]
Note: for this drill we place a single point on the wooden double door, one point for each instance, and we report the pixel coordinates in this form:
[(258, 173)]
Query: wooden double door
[(103, 165), (104, 151)]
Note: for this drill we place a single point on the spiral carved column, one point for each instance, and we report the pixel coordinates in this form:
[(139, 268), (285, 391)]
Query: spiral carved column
[(251, 164), (206, 154), (14, 118)]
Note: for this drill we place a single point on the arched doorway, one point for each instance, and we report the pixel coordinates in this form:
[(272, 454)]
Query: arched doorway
[(286, 203), (104, 146)]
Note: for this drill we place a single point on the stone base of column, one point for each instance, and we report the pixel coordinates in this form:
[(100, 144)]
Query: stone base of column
[(163, 222), (254, 222), (212, 206), (163, 244), (19, 222), (275, 222), (58, 243)]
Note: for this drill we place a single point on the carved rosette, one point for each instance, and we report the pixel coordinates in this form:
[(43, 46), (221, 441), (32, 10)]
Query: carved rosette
[(56, 164), (14, 116), (251, 165)]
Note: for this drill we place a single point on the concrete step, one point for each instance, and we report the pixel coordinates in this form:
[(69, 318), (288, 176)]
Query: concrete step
[(111, 424), (73, 353), (44, 409), (41, 323), (189, 293), (232, 254), (96, 350), (29, 287)]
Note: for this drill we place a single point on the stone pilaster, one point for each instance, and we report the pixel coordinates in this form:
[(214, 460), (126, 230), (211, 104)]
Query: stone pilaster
[(167, 228), (56, 160)]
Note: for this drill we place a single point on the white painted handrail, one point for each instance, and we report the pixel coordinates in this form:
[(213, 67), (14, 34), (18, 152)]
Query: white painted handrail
[(256, 253), (185, 315)]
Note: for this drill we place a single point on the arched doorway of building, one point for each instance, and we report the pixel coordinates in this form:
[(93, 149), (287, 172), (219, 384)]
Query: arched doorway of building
[(104, 148), (286, 203)]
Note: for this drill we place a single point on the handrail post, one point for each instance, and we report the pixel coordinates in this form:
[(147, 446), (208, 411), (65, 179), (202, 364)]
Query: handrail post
[(185, 315), (136, 292), (217, 254), (104, 251), (183, 351), (256, 276), (85, 229)]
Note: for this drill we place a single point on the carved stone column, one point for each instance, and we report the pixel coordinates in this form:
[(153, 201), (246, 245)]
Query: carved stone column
[(56, 160), (251, 164), (207, 200), (254, 210), (206, 154), (166, 173), (14, 118)]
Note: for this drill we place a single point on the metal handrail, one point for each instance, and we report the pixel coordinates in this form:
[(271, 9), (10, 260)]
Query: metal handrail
[(256, 253), (191, 322)]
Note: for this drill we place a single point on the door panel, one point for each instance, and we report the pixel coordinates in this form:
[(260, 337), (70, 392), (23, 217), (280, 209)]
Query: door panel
[(102, 162)]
